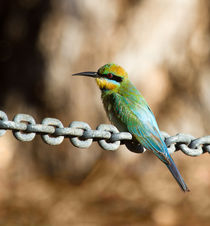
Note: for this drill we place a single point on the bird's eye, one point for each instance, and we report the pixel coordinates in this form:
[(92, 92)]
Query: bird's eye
[(109, 75)]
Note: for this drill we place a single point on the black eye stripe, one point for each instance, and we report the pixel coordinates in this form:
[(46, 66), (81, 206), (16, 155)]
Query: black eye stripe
[(114, 77), (117, 78)]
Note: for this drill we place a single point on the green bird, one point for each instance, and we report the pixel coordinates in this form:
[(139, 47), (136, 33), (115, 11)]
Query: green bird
[(127, 109)]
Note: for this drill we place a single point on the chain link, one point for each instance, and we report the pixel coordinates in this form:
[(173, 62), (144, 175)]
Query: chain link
[(53, 132)]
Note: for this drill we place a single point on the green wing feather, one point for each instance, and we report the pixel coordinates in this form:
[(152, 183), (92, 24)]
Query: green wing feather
[(131, 112)]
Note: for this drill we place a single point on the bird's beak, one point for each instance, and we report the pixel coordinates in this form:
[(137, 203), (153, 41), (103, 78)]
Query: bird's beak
[(87, 73)]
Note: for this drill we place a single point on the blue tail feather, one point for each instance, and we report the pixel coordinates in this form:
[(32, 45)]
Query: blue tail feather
[(174, 171)]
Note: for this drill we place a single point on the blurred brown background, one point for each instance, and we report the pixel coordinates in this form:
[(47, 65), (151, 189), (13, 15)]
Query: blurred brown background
[(165, 47)]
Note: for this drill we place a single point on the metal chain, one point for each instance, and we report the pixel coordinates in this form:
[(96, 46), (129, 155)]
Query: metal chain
[(81, 135)]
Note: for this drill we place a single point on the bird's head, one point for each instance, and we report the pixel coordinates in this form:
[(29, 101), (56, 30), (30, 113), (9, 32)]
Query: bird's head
[(108, 77)]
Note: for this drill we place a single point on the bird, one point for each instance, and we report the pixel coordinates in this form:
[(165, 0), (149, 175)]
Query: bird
[(127, 109)]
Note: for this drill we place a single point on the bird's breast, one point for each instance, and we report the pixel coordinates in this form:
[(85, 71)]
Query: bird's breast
[(113, 116)]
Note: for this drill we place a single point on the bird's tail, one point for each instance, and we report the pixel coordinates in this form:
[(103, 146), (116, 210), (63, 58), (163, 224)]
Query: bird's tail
[(173, 169)]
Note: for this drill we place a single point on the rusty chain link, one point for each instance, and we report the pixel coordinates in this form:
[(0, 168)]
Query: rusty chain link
[(81, 135)]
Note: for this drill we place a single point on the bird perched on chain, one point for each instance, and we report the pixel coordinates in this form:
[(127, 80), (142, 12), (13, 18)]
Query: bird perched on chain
[(129, 112)]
